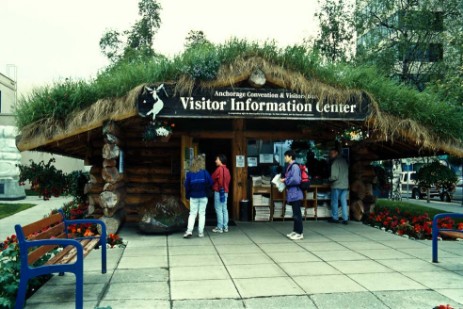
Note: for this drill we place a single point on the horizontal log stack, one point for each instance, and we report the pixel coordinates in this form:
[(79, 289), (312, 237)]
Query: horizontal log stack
[(152, 170), (362, 176)]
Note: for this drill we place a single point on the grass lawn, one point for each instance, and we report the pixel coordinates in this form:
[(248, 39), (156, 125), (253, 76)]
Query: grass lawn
[(413, 209), (7, 209)]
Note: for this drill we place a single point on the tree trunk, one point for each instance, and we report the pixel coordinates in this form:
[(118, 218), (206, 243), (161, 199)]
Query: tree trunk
[(112, 223), (113, 186), (112, 139), (257, 78), (92, 187), (357, 210), (111, 127), (110, 151), (95, 175), (110, 199), (110, 163), (109, 212), (111, 175)]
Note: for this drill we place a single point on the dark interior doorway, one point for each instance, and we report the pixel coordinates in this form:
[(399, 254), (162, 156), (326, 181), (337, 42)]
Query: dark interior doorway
[(211, 148)]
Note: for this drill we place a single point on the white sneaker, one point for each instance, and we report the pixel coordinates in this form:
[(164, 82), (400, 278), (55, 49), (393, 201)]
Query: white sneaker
[(187, 235), (290, 234), (201, 235), (225, 230), (217, 230), (297, 237)]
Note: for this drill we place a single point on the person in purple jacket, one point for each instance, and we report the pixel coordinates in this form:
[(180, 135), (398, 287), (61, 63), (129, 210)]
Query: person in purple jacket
[(294, 195), (196, 186)]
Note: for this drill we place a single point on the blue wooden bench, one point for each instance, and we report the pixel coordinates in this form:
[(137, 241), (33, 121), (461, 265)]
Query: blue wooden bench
[(436, 231), (35, 241)]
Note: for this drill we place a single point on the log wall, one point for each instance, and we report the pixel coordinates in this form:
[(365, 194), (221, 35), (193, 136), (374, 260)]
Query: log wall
[(152, 170), (149, 171), (362, 177)]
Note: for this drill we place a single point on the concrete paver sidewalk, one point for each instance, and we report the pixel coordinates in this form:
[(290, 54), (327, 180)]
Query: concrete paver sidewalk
[(256, 266)]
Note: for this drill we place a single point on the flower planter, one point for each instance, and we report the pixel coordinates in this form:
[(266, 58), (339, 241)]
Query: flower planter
[(164, 139)]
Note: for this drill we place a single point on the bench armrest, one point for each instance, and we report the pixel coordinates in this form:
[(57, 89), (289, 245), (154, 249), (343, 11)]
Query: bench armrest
[(436, 229), (51, 242)]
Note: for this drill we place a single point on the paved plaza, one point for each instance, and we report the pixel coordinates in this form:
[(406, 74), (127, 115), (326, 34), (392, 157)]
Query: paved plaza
[(256, 266)]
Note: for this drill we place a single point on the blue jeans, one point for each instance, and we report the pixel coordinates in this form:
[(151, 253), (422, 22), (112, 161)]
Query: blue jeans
[(197, 205), (336, 196), (221, 211), (297, 216)]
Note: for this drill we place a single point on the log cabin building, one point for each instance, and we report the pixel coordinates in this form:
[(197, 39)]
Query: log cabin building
[(250, 105)]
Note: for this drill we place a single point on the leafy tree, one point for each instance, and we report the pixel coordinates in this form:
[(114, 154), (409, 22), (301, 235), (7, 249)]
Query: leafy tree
[(195, 37), (436, 174), (335, 38), (138, 41), (407, 38)]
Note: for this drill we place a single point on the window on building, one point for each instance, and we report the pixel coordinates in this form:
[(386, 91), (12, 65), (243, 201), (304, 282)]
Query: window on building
[(426, 53), (421, 20)]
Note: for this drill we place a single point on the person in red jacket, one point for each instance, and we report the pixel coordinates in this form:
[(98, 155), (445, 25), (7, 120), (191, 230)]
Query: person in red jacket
[(221, 185)]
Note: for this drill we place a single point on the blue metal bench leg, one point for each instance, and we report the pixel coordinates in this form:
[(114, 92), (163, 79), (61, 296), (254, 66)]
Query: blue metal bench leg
[(79, 290), (103, 260), (435, 234), (21, 296)]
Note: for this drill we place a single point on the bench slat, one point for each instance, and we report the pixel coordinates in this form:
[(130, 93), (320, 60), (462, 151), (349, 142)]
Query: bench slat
[(59, 256), (54, 231), (453, 234), (69, 254), (41, 224), (36, 254)]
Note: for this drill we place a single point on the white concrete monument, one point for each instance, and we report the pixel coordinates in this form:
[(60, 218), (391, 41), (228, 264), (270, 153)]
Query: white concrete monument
[(9, 172)]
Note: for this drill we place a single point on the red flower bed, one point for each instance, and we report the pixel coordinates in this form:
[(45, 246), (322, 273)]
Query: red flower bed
[(404, 223), (8, 241)]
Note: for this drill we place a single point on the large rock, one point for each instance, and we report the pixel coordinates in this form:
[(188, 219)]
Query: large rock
[(166, 216)]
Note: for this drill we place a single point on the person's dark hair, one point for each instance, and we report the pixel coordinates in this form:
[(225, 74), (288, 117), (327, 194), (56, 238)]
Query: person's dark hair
[(222, 158), (291, 153)]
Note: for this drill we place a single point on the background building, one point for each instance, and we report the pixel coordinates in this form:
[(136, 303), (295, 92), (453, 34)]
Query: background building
[(406, 38), (9, 155)]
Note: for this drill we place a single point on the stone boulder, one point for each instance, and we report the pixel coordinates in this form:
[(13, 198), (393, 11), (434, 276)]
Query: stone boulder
[(166, 216)]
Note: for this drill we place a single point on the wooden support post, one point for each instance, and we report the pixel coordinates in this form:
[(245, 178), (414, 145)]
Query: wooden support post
[(240, 176), (112, 198)]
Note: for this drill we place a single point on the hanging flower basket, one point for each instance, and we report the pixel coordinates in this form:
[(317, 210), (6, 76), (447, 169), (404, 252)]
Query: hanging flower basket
[(166, 138), (158, 130), (352, 135)]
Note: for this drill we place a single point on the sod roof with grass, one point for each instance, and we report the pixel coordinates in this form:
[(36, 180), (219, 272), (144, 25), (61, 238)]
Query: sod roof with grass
[(65, 110)]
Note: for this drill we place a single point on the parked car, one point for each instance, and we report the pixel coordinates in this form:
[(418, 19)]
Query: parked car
[(458, 193), (408, 183)]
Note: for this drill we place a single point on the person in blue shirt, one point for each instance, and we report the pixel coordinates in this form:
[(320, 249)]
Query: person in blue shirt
[(197, 184), (294, 194)]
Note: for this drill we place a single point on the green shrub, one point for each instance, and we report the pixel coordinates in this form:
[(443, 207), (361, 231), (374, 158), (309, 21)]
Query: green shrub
[(436, 174), (9, 274), (49, 181)]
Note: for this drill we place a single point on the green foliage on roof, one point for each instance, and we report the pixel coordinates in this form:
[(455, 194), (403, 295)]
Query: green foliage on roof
[(202, 61)]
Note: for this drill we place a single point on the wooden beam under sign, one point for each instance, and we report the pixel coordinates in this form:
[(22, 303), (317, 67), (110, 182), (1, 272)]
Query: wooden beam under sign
[(239, 147)]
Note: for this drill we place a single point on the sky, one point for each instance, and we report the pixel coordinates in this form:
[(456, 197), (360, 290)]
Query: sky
[(50, 40)]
